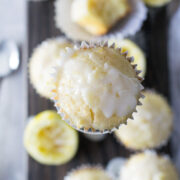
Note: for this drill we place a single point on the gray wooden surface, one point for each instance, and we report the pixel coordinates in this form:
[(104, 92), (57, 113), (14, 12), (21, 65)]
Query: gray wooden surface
[(152, 38)]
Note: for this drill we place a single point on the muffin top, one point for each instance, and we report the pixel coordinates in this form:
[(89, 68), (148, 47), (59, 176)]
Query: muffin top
[(42, 61), (96, 87), (148, 166), (151, 126), (97, 17), (88, 173), (49, 140)]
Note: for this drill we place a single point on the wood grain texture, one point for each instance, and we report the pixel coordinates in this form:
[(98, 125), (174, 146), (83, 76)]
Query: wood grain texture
[(152, 39)]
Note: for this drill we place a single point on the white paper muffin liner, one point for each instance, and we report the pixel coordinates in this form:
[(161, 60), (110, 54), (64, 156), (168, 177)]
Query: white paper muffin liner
[(86, 166), (129, 25), (85, 45)]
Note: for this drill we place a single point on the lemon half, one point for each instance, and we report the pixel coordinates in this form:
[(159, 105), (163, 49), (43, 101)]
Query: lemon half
[(156, 3), (133, 50), (49, 140)]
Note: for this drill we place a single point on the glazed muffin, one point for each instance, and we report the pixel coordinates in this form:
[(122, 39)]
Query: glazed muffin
[(49, 140), (88, 173), (97, 88), (152, 124), (97, 17), (148, 166), (133, 50), (42, 61), (156, 3)]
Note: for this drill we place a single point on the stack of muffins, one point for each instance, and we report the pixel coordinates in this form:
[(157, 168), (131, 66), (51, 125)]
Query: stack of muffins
[(97, 89)]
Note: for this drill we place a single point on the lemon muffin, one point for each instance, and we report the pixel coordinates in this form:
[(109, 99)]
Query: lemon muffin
[(97, 17), (152, 124), (49, 140), (156, 3), (88, 173), (133, 50), (114, 167), (42, 61), (148, 166), (97, 88)]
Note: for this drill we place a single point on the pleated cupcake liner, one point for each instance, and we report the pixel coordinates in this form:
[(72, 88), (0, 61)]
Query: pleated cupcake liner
[(89, 45)]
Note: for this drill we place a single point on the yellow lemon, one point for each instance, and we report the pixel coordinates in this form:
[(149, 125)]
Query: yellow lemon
[(133, 50), (156, 3), (49, 140)]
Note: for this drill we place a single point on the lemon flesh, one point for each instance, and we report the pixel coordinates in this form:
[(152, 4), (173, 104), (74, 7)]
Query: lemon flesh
[(96, 88), (156, 3), (133, 50), (49, 140)]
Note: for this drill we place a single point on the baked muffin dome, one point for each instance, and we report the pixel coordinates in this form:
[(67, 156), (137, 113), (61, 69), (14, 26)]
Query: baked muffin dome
[(88, 173), (133, 50), (152, 124), (148, 166), (97, 17), (42, 61), (156, 3), (96, 88)]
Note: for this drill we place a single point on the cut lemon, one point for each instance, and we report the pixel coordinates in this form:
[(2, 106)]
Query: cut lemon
[(49, 140), (133, 50), (156, 3)]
